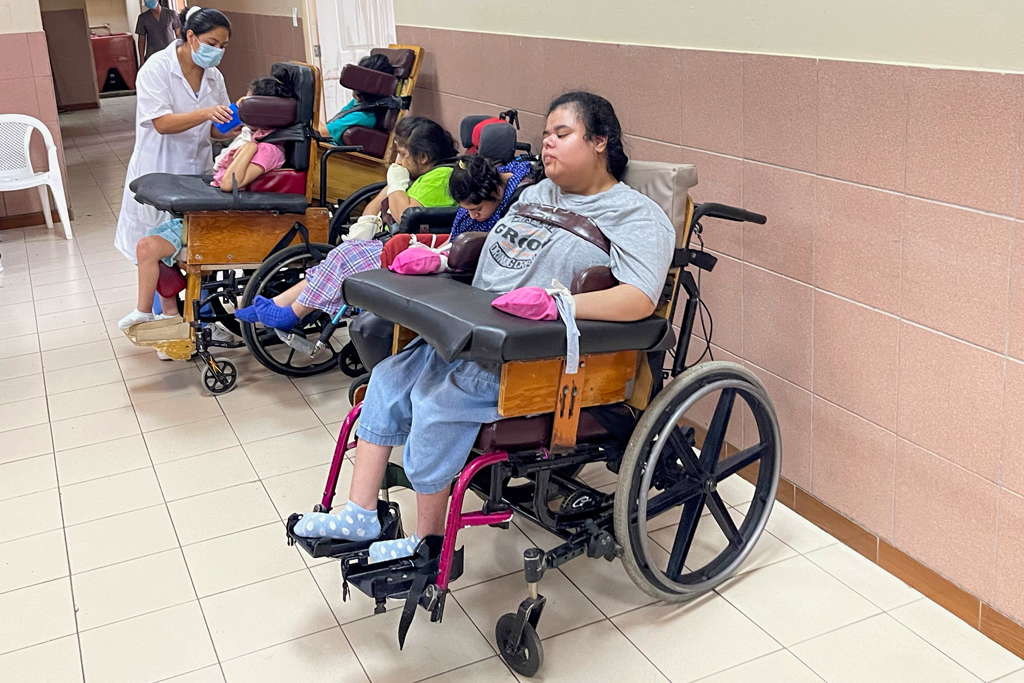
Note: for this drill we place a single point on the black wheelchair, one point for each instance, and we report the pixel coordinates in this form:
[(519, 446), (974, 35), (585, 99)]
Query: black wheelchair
[(673, 434)]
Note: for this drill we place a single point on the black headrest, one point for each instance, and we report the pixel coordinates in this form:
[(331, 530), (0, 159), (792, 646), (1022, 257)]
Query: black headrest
[(466, 129), (260, 111), (361, 79), (402, 61), (301, 80), (498, 142)]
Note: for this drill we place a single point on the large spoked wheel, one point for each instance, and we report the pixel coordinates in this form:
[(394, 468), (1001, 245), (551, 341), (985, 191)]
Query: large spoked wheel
[(664, 477), (280, 272), (350, 209)]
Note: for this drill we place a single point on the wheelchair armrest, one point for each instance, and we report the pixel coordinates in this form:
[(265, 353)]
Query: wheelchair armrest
[(466, 250), (729, 213), (421, 219), (593, 279)]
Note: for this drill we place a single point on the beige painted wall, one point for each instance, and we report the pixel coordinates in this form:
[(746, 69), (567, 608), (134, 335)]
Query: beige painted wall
[(111, 12), (20, 16), (275, 8), (973, 34)]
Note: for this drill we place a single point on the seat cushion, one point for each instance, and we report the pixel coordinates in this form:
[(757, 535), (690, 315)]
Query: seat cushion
[(179, 194), (282, 180), (374, 142), (526, 433)]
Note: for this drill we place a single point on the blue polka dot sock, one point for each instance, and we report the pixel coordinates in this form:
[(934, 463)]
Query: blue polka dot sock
[(247, 314), (270, 314), (382, 551), (353, 523)]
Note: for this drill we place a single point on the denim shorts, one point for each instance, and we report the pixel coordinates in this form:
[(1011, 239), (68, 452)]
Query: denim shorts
[(171, 232), (434, 407)]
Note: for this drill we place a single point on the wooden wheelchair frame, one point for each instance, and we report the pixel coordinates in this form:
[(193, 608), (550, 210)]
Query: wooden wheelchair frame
[(354, 170)]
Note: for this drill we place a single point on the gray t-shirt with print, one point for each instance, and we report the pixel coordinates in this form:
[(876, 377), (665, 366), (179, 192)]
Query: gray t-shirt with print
[(525, 250)]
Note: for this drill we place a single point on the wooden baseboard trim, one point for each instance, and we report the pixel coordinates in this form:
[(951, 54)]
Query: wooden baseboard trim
[(27, 220), (78, 107), (928, 582)]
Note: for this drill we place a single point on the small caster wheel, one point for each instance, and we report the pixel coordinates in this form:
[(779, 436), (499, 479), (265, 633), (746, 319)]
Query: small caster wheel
[(353, 389), (319, 508), (529, 656), (223, 383), (349, 362)]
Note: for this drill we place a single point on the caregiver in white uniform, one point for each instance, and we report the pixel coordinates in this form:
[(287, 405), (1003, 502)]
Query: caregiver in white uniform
[(180, 94)]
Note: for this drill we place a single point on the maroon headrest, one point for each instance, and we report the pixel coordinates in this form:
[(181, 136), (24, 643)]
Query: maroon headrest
[(374, 142), (402, 61), (260, 111), (360, 79)]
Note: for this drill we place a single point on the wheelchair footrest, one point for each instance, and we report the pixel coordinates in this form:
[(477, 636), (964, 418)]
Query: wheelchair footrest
[(391, 528)]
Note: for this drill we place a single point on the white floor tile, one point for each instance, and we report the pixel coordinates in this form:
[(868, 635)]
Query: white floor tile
[(63, 319), (129, 589), (150, 647), (20, 366), (793, 530), (21, 388), (21, 414), (55, 661), (864, 576), (36, 614), (184, 441), (113, 495), (328, 577), (260, 615), (311, 659), (274, 420), (713, 629), (795, 600), (965, 645), (82, 377), (290, 452), (262, 392), (88, 401), (239, 559), (300, 491), (26, 443), (102, 542), (20, 346), (72, 336), (28, 515), (778, 666), (205, 473), (31, 560), (101, 460), (30, 475), (73, 356), (878, 649), (430, 648), (222, 512), (90, 429)]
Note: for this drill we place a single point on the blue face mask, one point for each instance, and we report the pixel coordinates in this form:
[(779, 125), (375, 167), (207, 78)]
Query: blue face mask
[(208, 56), (150, 4)]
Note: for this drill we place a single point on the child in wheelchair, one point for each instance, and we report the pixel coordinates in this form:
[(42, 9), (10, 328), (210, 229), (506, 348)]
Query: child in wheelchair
[(245, 159), (580, 216), (346, 118), (482, 189)]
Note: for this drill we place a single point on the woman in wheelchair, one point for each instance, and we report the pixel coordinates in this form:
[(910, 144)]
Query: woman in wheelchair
[(435, 407)]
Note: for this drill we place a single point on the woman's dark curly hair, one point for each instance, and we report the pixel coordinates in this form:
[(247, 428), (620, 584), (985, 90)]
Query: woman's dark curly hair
[(474, 179), (425, 138), (598, 117)]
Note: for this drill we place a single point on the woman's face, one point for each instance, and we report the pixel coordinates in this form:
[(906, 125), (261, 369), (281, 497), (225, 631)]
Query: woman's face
[(416, 167), (216, 37), (569, 157), (482, 211)]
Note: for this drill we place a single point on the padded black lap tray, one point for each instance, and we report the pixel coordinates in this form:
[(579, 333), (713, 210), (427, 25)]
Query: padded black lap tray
[(180, 193), (459, 321)]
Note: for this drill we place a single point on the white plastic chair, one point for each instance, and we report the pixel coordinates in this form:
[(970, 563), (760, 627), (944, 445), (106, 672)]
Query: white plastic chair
[(16, 171)]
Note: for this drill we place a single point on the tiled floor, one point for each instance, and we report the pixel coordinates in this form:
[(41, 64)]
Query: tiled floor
[(141, 525)]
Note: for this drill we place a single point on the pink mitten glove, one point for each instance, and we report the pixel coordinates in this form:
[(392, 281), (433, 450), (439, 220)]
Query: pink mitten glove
[(532, 303), (419, 262)]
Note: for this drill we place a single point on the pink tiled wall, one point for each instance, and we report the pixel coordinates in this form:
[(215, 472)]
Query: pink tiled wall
[(259, 41), (27, 88), (883, 303)]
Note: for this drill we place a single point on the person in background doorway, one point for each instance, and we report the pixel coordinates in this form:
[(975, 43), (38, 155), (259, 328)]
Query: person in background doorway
[(156, 28)]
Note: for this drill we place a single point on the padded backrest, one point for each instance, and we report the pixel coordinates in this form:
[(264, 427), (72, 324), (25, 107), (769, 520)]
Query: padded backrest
[(261, 111), (498, 142), (402, 61), (466, 129), (668, 185), (295, 138), (368, 81)]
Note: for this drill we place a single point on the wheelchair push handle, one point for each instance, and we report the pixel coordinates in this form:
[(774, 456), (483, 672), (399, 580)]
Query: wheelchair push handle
[(729, 213), (334, 149)]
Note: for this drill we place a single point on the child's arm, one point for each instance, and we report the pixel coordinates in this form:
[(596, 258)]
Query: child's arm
[(240, 168)]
